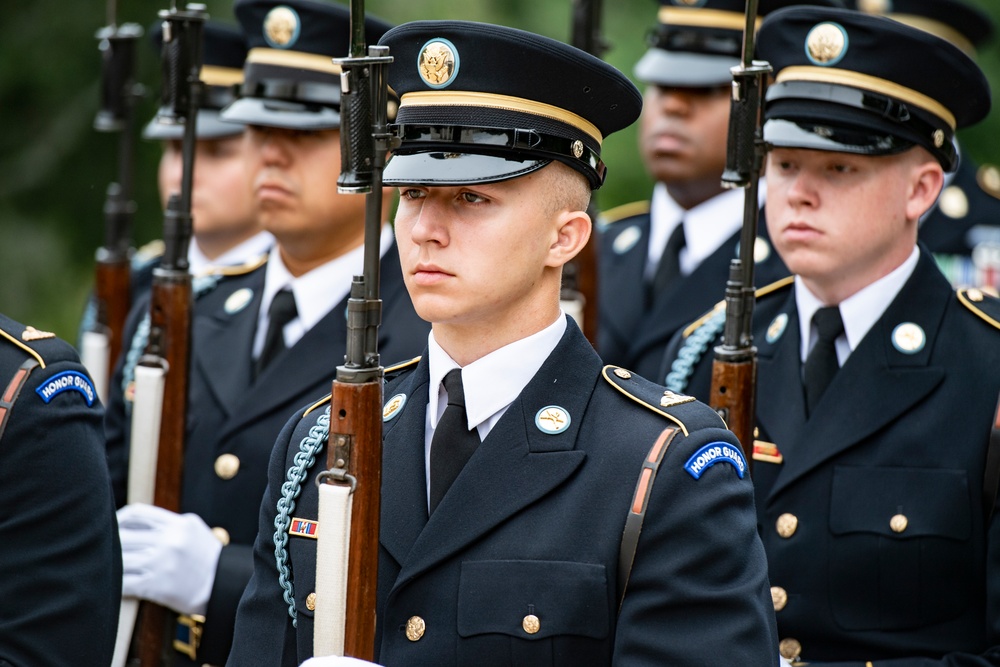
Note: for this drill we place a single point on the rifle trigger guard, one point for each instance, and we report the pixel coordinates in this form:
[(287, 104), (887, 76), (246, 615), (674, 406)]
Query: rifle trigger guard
[(337, 476)]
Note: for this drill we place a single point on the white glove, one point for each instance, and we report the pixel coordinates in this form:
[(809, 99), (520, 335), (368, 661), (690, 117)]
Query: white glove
[(167, 558), (336, 661)]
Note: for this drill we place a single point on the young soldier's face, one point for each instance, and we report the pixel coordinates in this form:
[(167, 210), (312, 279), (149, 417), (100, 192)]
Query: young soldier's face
[(842, 221), (293, 174), (222, 205), (480, 255)]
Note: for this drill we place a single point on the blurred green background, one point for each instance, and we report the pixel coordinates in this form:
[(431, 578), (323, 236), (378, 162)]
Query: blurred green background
[(54, 168)]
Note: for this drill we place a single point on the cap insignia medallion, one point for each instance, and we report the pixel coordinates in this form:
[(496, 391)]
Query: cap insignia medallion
[(826, 44), (438, 63), (282, 27)]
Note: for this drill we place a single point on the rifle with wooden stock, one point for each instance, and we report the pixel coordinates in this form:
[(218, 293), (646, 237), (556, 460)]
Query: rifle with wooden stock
[(159, 416), (734, 368), (102, 344), (580, 276), (350, 487)]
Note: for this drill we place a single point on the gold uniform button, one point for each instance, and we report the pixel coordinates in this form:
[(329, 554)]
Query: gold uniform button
[(311, 602), (415, 628), (227, 465), (790, 649), (779, 597), (787, 524), (975, 295), (531, 624), (898, 523), (221, 534)]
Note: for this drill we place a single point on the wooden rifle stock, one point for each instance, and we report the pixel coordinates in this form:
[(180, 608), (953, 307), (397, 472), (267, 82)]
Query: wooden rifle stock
[(119, 94), (734, 369), (356, 445), (170, 334), (171, 299)]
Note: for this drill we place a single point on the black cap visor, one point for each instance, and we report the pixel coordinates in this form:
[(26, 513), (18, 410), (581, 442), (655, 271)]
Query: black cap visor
[(282, 114), (832, 117), (440, 168), (210, 126), (464, 155), (684, 69)]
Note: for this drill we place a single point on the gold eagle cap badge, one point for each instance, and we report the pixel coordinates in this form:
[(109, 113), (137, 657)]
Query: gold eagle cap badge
[(438, 63), (826, 44), (281, 27)]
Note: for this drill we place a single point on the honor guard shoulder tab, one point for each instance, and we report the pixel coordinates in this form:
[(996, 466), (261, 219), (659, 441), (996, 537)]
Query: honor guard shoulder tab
[(684, 411), (623, 212), (982, 304)]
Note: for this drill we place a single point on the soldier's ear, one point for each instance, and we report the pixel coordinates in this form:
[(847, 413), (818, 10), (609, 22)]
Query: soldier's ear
[(926, 182), (573, 230)]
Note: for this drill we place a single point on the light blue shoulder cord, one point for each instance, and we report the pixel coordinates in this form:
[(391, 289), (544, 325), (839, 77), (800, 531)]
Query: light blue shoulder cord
[(304, 460), (200, 286), (692, 351)]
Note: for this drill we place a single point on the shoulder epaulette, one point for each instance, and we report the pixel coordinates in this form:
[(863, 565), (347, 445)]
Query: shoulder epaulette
[(238, 270), (983, 305), (622, 212), (318, 404), (391, 369), (988, 178), (652, 396), (29, 334), (147, 253), (763, 291), (403, 365)]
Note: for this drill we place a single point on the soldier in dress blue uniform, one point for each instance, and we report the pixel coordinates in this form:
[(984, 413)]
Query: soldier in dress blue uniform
[(59, 552), (511, 453), (877, 386), (665, 261), (266, 337), (963, 229), (226, 229)]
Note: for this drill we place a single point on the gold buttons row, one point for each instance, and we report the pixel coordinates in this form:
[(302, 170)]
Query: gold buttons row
[(787, 524), (416, 626)]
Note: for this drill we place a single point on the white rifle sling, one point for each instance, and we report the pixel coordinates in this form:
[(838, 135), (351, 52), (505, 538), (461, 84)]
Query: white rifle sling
[(333, 546), (95, 352), (143, 449)]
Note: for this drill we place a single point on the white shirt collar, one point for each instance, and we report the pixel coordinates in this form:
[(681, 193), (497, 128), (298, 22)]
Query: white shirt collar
[(494, 381), (860, 311), (706, 226), (316, 292), (255, 246)]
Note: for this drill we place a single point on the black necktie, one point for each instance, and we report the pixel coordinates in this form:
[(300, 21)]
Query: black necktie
[(821, 364), (453, 443), (669, 268), (281, 312)]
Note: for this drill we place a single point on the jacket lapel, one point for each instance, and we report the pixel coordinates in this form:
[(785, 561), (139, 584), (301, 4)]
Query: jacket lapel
[(515, 455), (878, 383), (404, 481), (781, 409), (621, 279), (222, 342)]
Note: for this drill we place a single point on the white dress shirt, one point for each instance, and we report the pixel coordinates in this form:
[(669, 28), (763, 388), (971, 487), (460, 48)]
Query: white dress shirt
[(316, 292), (253, 247), (491, 383), (860, 311)]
